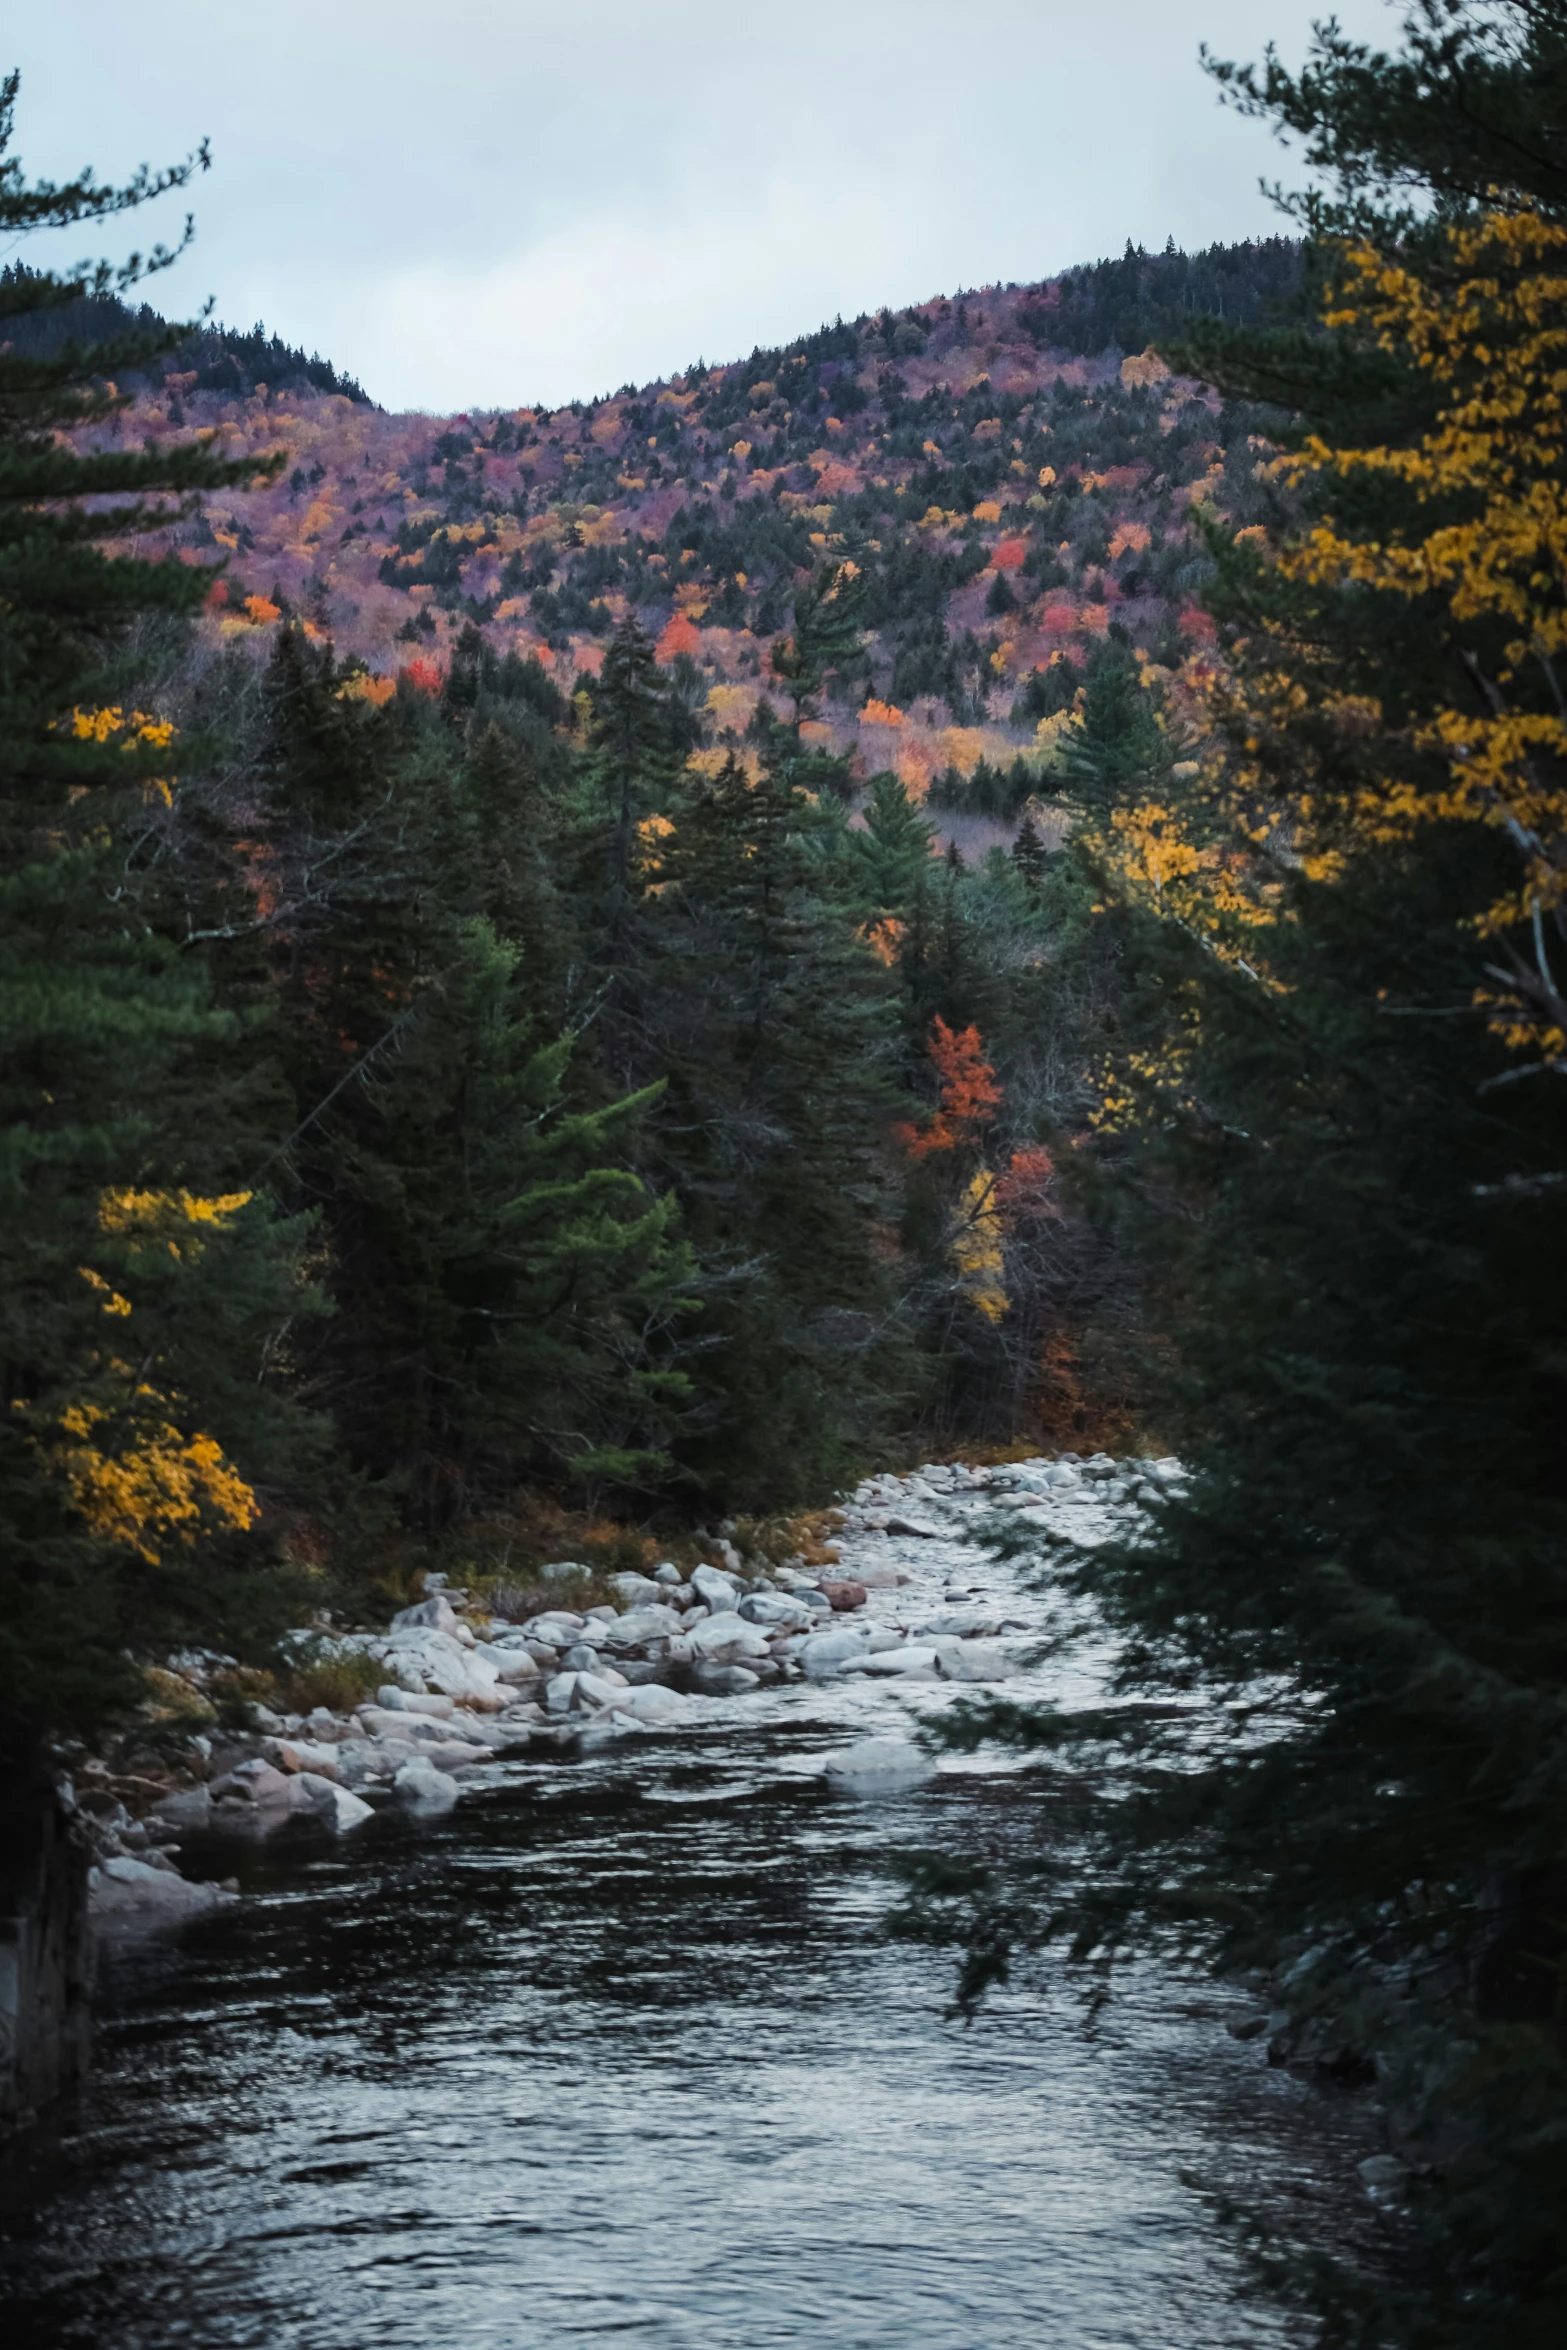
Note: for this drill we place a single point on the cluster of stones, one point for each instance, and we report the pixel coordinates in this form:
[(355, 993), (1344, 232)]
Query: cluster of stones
[(461, 1689)]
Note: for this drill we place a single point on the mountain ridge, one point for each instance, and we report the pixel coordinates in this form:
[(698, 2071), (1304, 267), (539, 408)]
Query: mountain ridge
[(1008, 505)]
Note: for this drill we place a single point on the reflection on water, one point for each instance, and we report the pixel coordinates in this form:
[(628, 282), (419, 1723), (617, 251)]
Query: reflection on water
[(618, 2052)]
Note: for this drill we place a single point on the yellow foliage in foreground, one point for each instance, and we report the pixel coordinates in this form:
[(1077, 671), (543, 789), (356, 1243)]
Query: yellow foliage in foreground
[(158, 1486), (1487, 499), (131, 1472)]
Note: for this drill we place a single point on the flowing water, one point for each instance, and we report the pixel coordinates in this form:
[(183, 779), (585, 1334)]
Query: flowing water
[(620, 2052)]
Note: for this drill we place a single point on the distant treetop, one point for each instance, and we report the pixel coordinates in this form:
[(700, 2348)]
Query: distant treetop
[(221, 358), (1132, 302)]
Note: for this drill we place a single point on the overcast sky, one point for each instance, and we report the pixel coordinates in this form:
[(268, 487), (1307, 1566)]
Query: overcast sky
[(486, 202)]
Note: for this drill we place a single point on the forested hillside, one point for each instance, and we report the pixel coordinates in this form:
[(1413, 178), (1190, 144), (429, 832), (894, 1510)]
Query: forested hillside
[(999, 481), (594, 1001), (549, 810)]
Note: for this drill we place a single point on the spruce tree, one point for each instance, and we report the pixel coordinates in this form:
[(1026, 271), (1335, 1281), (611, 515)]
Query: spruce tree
[(1117, 751), (140, 1272), (635, 754), (1029, 853), (773, 1021), (1350, 1180), (506, 1289)]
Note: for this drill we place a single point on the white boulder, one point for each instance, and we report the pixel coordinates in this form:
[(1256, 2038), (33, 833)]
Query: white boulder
[(422, 1787), (333, 1805), (974, 1660), (826, 1653), (404, 1701), (775, 1607), (718, 1589), (725, 1680), (877, 1766), (511, 1665), (301, 1754), (557, 1628), (635, 1590), (727, 1639), (132, 1893), (651, 1704), (895, 1663), (639, 1626), (434, 1614)]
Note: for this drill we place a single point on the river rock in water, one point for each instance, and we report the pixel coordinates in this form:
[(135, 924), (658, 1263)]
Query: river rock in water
[(422, 1787), (974, 1660), (825, 1653), (877, 1766), (185, 1808), (126, 1892), (652, 1704), (333, 1805), (724, 1680), (727, 1640), (914, 1657)]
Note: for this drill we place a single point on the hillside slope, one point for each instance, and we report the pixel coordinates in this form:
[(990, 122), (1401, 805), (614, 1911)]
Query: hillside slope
[(1007, 500)]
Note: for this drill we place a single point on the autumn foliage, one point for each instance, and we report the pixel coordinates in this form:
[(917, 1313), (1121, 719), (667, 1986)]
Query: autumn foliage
[(680, 636), (969, 1095)]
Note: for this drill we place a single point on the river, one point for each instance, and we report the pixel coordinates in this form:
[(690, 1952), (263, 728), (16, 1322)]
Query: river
[(619, 2051)]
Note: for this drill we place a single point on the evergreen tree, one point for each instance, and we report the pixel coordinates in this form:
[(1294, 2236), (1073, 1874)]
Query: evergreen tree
[(826, 637), (1117, 751), (140, 1274), (773, 1025), (636, 749), (1000, 599), (889, 860), (1029, 854), (506, 1289), (1349, 1174)]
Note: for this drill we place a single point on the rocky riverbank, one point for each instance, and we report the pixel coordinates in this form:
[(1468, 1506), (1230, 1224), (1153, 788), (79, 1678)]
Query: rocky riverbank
[(456, 1690), (914, 1611)]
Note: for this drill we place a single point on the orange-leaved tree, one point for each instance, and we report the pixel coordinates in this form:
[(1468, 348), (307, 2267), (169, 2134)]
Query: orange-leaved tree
[(969, 1096)]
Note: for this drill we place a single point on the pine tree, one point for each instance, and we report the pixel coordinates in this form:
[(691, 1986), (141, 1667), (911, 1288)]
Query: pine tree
[(1117, 751), (890, 858), (826, 637), (141, 1275), (1029, 854), (773, 1021), (635, 754), (1348, 1173), (506, 1289)]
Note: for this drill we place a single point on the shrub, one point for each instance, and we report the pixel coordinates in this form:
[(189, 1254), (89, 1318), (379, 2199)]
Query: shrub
[(517, 1597), (339, 1679)]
